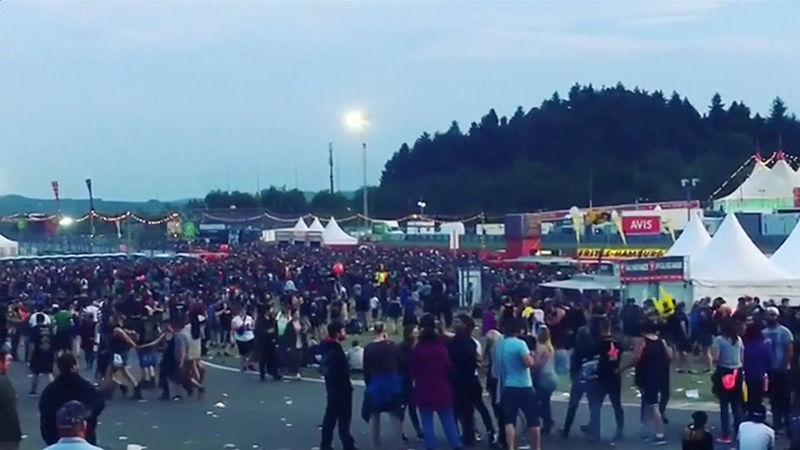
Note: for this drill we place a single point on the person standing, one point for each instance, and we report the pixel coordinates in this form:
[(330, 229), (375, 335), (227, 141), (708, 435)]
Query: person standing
[(42, 353), (266, 332), (651, 357), (756, 362), (781, 343), (72, 428), (410, 334), (726, 352), (545, 379), (69, 385), (295, 340), (10, 431), (608, 383), (431, 371), (243, 326), (384, 387), (334, 367), (511, 367)]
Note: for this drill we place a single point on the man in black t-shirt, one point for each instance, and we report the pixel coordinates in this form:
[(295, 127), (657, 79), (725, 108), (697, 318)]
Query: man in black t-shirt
[(42, 354), (609, 352)]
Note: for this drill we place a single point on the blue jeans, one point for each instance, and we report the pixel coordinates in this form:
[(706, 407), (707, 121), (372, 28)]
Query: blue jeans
[(448, 421)]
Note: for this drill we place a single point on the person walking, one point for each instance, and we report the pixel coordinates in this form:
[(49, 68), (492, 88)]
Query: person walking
[(69, 385), (334, 367), (72, 421), (583, 352), (781, 344), (726, 353), (651, 357), (545, 379), (756, 362), (295, 340), (608, 383), (430, 370), (243, 326), (10, 430), (384, 387), (266, 339), (511, 367), (404, 350), (42, 352)]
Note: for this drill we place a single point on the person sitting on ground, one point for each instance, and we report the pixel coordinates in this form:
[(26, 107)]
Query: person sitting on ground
[(355, 356), (71, 420), (754, 434), (696, 436)]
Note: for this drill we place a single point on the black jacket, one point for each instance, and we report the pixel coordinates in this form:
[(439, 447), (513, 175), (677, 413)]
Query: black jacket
[(64, 388), (334, 367)]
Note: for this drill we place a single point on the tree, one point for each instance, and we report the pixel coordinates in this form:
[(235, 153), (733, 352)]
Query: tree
[(777, 113), (326, 204)]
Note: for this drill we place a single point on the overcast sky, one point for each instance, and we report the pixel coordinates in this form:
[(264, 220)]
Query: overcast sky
[(170, 99)]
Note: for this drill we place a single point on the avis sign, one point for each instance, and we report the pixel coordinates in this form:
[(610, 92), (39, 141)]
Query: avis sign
[(633, 225)]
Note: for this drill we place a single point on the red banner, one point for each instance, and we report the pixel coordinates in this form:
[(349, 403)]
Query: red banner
[(633, 225)]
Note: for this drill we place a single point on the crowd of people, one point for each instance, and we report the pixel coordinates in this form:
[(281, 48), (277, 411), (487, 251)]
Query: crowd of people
[(285, 308)]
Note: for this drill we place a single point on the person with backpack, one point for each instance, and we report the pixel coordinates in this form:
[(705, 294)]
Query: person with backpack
[(727, 351), (339, 409), (608, 383)]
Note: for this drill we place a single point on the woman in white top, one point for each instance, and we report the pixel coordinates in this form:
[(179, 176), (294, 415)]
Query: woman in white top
[(243, 325), (192, 370)]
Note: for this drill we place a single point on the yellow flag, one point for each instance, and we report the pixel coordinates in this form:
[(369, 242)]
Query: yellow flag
[(665, 305)]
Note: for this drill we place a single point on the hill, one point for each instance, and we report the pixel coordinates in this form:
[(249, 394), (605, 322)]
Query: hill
[(613, 144), (12, 204)]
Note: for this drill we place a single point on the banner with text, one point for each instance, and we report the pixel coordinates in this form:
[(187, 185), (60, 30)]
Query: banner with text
[(668, 268), (638, 225), (606, 254)]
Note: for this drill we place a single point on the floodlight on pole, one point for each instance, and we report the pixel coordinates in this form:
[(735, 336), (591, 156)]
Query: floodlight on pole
[(358, 122), (422, 206), (66, 221)]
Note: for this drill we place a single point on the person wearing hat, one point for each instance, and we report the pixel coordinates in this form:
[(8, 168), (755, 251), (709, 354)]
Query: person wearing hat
[(754, 434), (71, 420), (10, 431)]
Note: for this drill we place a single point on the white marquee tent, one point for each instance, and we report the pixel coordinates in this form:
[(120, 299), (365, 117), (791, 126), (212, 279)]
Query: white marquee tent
[(765, 190), (787, 257), (300, 225), (334, 235), (8, 247), (692, 241), (316, 225), (732, 266)]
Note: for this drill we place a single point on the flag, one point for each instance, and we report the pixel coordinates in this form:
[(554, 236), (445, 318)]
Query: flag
[(665, 305)]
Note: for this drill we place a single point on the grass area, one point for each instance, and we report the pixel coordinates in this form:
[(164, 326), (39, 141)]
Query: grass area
[(680, 383)]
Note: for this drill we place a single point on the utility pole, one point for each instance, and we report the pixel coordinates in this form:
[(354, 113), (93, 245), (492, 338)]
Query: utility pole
[(330, 165)]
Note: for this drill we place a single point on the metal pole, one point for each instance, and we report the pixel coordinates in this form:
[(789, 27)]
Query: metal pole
[(364, 193)]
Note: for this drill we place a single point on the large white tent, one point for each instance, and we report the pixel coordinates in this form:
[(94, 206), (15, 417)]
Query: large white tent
[(787, 257), (300, 225), (692, 241), (316, 225), (334, 235), (764, 190), (732, 266), (8, 247)]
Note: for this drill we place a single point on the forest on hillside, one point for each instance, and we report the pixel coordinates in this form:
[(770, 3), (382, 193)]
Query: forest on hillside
[(614, 144)]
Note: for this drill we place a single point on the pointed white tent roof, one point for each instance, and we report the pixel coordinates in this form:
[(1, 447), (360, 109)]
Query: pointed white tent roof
[(316, 225), (762, 184), (692, 241), (334, 235), (8, 247), (784, 173), (300, 225), (787, 257), (732, 257)]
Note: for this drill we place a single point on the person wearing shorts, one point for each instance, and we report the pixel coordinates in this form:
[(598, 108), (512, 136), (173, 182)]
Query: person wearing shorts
[(511, 363), (243, 326)]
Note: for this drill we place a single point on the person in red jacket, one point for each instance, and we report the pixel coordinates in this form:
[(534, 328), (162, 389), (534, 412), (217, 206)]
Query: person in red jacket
[(430, 370)]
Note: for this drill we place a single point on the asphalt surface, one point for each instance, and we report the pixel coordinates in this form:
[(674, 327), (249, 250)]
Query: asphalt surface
[(275, 415)]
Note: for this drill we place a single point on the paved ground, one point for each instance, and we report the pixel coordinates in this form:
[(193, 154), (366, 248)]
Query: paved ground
[(271, 415)]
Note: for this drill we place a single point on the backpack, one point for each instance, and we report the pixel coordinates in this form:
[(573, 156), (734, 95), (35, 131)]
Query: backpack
[(588, 372), (354, 326)]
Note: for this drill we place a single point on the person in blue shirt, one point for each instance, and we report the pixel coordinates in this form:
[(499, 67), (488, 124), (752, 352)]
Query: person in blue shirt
[(781, 344), (71, 420), (512, 361)]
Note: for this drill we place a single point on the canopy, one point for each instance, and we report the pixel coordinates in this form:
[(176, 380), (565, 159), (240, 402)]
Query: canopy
[(300, 225), (586, 283), (784, 173), (692, 241), (8, 247), (764, 190), (334, 235), (787, 257), (316, 225)]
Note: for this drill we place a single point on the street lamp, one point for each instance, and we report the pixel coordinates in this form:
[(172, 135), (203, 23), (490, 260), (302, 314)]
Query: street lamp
[(358, 122), (422, 206), (66, 221), (688, 184)]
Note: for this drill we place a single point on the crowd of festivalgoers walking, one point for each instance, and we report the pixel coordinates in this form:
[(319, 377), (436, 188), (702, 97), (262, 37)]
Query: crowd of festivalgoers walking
[(284, 309)]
